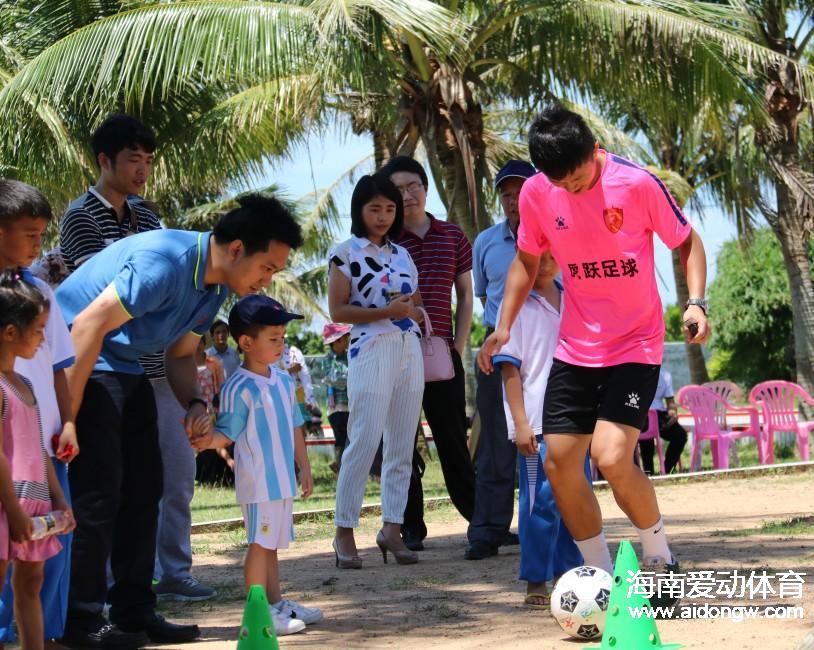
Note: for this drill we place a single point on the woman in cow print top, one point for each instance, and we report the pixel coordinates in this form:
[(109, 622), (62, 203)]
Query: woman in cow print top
[(374, 287)]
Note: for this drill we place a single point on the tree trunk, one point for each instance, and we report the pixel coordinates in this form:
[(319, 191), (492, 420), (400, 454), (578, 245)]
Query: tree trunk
[(695, 355), (382, 151), (794, 243)]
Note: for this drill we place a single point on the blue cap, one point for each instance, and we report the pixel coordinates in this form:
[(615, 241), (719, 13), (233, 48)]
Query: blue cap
[(257, 309), (515, 169)]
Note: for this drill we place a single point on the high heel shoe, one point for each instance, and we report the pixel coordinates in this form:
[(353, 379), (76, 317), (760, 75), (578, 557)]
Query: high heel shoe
[(346, 561), (402, 556)]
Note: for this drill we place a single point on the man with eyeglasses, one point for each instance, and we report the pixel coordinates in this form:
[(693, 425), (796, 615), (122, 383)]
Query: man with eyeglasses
[(443, 256)]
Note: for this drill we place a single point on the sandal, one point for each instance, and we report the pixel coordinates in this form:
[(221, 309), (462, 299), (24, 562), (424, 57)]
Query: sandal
[(537, 596)]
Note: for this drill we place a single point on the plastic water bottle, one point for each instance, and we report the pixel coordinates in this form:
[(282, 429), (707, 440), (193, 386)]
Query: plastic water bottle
[(51, 524)]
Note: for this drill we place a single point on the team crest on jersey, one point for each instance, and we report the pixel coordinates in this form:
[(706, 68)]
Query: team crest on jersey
[(614, 218)]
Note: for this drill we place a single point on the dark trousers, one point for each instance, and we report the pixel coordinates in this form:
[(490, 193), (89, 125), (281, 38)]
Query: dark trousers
[(496, 461), (445, 409), (675, 434), (339, 424), (116, 483)]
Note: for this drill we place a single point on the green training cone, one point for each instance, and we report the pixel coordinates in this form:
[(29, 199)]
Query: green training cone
[(623, 631), (257, 631)]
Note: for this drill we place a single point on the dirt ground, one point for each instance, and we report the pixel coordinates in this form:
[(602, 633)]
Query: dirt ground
[(446, 601)]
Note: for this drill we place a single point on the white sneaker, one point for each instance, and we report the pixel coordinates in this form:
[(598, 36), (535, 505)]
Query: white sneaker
[(285, 624), (293, 609)]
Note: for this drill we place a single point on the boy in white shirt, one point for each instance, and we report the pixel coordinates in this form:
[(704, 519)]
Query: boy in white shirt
[(547, 549), (259, 413)]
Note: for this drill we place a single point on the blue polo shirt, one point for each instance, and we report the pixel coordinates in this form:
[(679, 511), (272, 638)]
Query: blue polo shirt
[(159, 280), (492, 256)]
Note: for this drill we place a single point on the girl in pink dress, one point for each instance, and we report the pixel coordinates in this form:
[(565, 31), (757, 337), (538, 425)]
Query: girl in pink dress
[(28, 485)]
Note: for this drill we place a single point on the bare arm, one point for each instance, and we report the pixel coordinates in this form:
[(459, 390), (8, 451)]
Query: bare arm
[(182, 376), (301, 458), (518, 286), (342, 312), (694, 260), (68, 447), (89, 329), (463, 311), (513, 389)]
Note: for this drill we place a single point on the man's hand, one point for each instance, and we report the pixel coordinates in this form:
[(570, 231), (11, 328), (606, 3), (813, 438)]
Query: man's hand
[(694, 317), (306, 481), (66, 446), (193, 421), (491, 346), (672, 417), (526, 441)]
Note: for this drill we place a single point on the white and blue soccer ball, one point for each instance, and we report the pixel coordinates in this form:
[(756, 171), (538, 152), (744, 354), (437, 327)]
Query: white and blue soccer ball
[(580, 601)]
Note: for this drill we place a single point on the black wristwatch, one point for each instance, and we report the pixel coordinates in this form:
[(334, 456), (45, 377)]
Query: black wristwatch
[(196, 400), (698, 302)]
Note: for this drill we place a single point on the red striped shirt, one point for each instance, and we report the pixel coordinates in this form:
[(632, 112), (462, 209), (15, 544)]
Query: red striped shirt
[(443, 255)]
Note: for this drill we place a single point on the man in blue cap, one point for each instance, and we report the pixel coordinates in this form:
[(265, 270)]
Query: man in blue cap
[(496, 458)]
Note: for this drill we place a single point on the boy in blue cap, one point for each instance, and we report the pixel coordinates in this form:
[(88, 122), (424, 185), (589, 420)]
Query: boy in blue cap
[(259, 413)]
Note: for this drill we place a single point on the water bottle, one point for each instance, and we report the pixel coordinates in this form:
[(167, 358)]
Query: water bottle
[(51, 524)]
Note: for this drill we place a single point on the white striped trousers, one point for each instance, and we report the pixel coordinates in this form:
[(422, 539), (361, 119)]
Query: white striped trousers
[(385, 388)]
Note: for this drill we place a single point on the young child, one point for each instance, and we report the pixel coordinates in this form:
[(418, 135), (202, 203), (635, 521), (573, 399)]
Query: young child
[(335, 374), (258, 412), (547, 549), (28, 483), (24, 216)]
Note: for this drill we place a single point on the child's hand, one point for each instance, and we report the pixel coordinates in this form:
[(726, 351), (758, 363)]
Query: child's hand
[(202, 441), (306, 481), (20, 525), (66, 446), (61, 504), (526, 441)]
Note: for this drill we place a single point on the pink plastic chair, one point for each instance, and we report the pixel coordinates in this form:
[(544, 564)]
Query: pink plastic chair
[(652, 433), (705, 406), (733, 394), (776, 400)]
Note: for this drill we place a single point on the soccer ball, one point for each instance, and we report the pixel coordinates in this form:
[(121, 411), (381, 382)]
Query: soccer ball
[(580, 600)]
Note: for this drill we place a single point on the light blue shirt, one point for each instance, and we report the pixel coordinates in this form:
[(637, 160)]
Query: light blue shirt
[(493, 254), (159, 281), (259, 414)]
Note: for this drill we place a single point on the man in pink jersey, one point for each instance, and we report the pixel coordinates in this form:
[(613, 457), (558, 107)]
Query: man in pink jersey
[(597, 213)]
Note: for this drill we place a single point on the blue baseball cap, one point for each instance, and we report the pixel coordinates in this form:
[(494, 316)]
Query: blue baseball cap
[(257, 309), (515, 169)]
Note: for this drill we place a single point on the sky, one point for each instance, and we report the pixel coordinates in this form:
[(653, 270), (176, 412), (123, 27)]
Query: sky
[(328, 154)]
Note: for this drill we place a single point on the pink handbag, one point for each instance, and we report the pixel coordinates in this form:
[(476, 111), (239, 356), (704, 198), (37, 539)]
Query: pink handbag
[(437, 357)]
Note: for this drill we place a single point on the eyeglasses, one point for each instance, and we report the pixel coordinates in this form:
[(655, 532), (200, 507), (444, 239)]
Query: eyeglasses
[(414, 188)]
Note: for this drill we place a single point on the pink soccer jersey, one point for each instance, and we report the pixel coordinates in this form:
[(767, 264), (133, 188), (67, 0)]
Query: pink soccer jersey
[(603, 241)]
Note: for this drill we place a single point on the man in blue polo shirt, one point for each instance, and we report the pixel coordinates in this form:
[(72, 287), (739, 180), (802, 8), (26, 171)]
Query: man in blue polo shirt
[(496, 458), (153, 291)]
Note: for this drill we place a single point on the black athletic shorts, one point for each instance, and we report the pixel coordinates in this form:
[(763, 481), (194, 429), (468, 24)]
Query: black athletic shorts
[(576, 396)]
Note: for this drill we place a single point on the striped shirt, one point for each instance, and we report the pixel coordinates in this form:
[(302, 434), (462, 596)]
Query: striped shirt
[(92, 224), (441, 256), (259, 414)]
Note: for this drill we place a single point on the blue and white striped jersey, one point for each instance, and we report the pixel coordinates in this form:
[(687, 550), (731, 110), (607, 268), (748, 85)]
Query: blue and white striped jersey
[(259, 413)]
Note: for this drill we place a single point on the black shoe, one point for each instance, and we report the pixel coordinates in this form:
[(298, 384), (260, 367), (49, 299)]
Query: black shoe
[(510, 539), (104, 635), (480, 551), (413, 543), (160, 630)]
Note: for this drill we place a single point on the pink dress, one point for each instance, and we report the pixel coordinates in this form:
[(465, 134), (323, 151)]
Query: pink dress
[(22, 446)]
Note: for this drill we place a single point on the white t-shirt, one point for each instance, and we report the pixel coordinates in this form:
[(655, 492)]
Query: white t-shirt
[(663, 391), (55, 353), (533, 339)]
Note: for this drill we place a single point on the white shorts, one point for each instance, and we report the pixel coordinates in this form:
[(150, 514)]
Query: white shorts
[(270, 523)]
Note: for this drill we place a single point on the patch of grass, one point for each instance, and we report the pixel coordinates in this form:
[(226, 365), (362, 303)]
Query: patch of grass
[(794, 527), (213, 503)]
